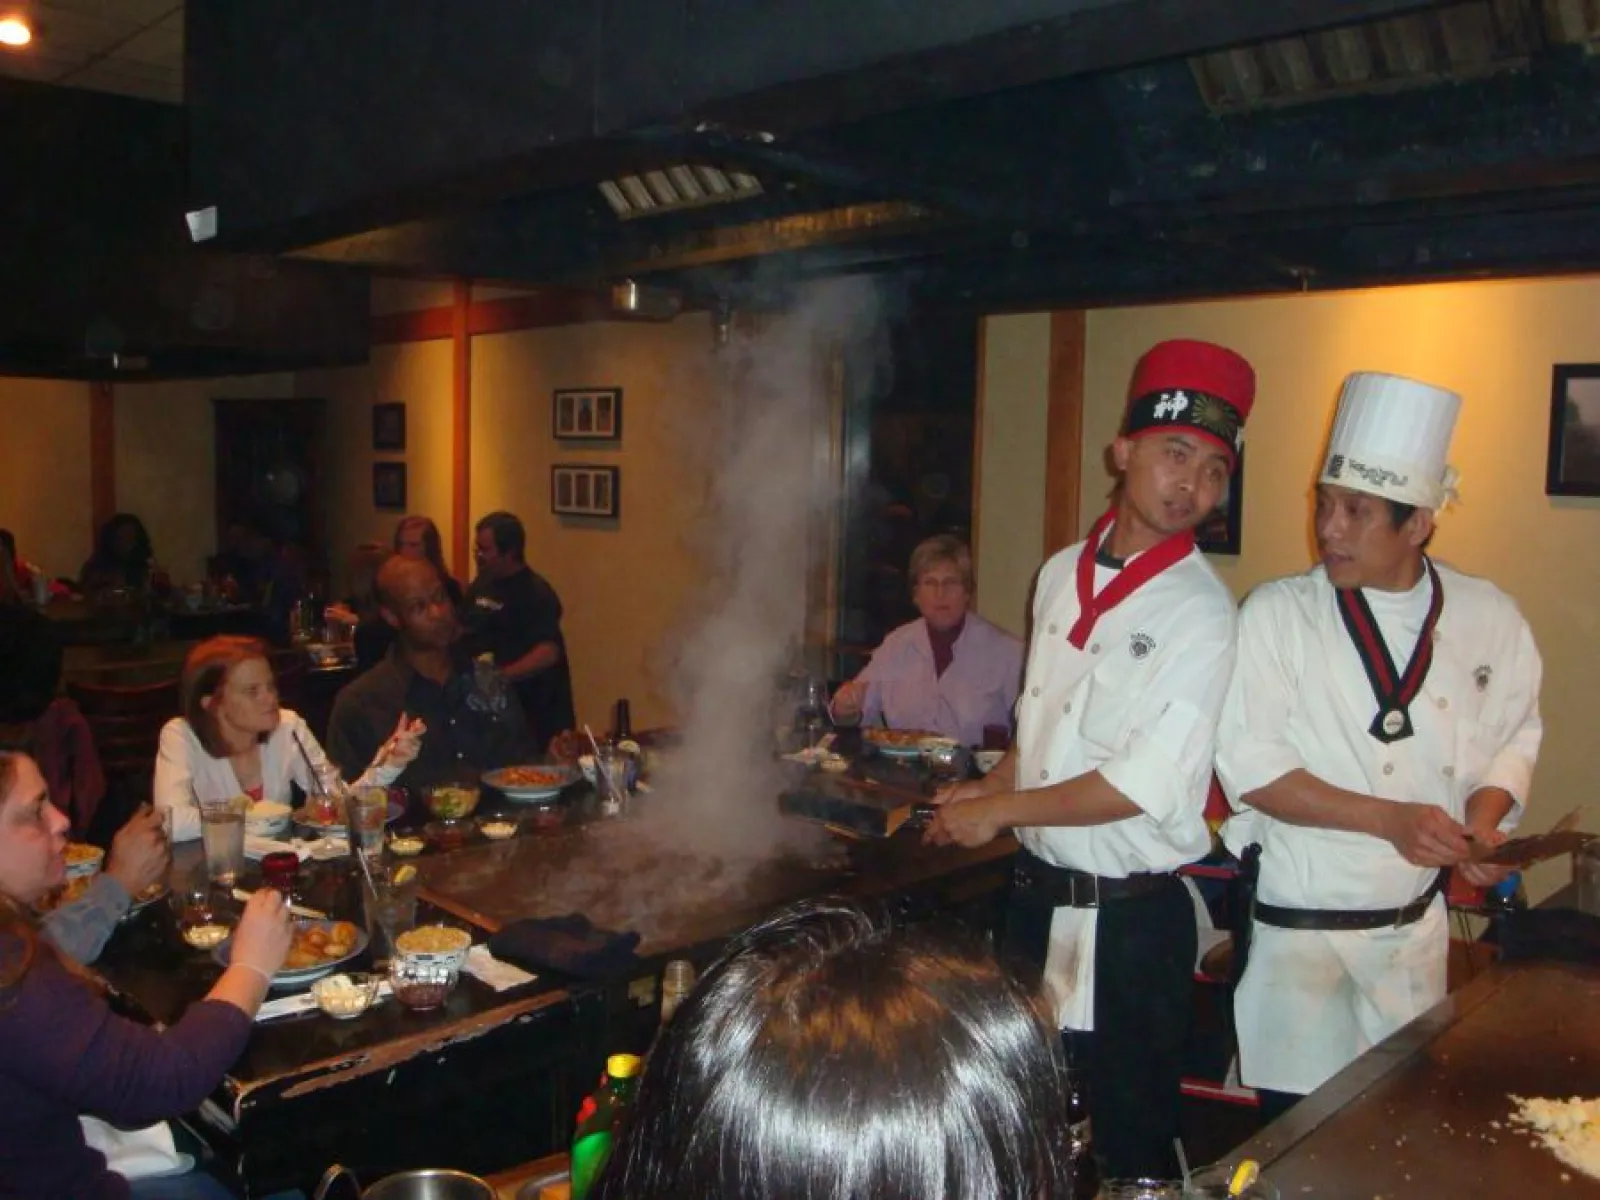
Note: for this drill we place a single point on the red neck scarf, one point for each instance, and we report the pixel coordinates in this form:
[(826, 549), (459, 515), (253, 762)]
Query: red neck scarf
[(1130, 579)]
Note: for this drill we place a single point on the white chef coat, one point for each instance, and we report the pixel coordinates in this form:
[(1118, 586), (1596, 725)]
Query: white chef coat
[(1312, 1000), (1138, 703)]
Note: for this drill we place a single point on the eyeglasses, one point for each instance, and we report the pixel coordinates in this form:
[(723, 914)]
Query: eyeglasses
[(941, 585)]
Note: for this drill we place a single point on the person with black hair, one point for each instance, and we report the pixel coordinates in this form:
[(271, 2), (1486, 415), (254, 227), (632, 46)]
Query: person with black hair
[(828, 1053), (1381, 730), (514, 614), (122, 556)]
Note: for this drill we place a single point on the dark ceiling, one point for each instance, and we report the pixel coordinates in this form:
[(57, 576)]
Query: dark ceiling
[(993, 154), (1003, 153)]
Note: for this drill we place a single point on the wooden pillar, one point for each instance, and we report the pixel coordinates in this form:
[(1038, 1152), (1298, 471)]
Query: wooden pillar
[(461, 431), (102, 454), (1063, 476)]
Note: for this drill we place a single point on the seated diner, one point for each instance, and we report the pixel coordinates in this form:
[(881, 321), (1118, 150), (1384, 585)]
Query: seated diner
[(474, 721), (65, 1054), (949, 672), (233, 738)]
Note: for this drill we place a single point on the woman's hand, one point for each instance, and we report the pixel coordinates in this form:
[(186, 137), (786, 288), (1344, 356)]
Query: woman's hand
[(341, 613), (261, 942), (139, 856), (849, 700), (404, 744)]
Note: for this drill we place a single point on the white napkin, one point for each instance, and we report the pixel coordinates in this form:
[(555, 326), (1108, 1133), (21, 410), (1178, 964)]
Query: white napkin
[(257, 847), (148, 1153), (297, 1003), (497, 973)]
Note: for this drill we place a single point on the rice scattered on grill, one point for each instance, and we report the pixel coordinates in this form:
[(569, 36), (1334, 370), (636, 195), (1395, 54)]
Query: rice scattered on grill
[(1569, 1129)]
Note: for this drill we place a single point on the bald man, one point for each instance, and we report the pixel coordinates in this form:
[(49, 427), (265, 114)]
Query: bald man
[(473, 719)]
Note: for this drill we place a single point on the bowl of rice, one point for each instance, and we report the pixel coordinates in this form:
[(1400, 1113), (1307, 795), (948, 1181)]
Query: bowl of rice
[(442, 945)]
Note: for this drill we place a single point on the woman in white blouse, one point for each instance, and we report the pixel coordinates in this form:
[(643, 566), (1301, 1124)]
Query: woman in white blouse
[(233, 739)]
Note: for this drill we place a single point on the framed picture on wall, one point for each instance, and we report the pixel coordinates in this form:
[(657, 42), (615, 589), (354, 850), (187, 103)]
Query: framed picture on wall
[(584, 491), (1222, 532), (389, 485), (586, 414), (1573, 465), (388, 426)]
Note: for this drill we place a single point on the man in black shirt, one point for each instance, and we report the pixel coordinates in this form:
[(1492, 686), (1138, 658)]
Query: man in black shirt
[(514, 614), (473, 722)]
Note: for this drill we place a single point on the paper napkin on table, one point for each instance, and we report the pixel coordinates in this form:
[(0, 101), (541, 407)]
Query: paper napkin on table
[(256, 847), (303, 1002), (498, 974)]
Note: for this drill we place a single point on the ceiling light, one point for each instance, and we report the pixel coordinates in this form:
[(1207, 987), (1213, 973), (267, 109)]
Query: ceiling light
[(14, 31)]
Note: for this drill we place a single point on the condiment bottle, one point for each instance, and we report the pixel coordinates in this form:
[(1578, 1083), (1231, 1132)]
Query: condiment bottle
[(676, 983), (600, 1121)]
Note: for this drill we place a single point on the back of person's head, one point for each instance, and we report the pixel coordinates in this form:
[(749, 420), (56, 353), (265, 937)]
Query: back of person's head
[(828, 1054), (509, 536)]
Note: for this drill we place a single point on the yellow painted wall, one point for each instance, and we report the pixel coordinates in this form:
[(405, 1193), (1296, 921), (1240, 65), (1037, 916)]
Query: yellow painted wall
[(625, 585), (44, 471), (1493, 342), (416, 374), (1015, 370), (165, 461)]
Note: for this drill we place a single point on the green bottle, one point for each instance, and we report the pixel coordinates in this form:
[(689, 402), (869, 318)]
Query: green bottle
[(600, 1119)]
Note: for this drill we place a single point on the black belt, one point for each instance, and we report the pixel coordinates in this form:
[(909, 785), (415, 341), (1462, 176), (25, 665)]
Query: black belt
[(1346, 919), (1064, 887)]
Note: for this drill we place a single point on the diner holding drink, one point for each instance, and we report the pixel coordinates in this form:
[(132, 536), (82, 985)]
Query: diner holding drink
[(234, 740)]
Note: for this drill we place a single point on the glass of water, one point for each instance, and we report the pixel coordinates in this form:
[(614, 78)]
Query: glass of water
[(222, 830)]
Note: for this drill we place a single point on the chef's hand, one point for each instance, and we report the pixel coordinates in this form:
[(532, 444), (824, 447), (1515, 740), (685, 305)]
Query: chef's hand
[(1426, 835), (849, 700), (970, 823), (1486, 875), (404, 744), (969, 789), (139, 855)]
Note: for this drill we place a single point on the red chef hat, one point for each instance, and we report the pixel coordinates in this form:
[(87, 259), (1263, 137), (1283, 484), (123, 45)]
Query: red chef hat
[(1191, 385)]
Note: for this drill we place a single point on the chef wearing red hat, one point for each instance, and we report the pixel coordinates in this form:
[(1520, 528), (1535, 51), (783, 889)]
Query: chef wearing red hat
[(1133, 647)]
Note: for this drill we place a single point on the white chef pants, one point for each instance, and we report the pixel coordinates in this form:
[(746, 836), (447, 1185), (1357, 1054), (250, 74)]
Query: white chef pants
[(1312, 1001)]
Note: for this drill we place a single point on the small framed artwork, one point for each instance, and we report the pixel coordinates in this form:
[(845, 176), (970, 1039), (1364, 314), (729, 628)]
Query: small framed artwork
[(587, 414), (1573, 465), (1222, 531), (388, 426), (584, 491), (389, 485)]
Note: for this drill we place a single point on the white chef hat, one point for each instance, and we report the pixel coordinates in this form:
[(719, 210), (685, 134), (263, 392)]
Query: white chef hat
[(1391, 437)]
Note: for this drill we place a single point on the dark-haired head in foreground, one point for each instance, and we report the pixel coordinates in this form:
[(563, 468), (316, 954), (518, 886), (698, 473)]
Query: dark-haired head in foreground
[(827, 1054)]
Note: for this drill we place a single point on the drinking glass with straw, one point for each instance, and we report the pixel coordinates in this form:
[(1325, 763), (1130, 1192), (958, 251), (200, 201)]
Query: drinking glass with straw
[(348, 807), (613, 792)]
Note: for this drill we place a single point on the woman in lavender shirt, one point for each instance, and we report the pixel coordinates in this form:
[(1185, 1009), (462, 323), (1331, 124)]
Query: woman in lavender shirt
[(951, 672)]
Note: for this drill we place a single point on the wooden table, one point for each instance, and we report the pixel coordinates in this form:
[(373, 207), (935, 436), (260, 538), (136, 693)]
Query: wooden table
[(493, 1079)]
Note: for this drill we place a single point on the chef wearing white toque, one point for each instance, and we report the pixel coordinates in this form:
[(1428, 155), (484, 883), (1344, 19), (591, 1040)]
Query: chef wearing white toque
[(1381, 727)]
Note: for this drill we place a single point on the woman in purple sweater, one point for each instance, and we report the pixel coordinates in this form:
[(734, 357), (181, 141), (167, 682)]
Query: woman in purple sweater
[(62, 1050)]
